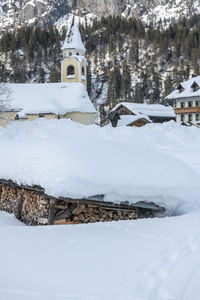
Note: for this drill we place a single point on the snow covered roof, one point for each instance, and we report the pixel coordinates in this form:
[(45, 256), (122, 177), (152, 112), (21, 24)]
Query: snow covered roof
[(58, 98), (150, 110), (186, 89), (124, 164), (125, 120), (73, 38)]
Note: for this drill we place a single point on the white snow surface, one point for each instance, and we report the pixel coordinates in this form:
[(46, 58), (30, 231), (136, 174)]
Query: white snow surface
[(59, 98), (150, 110), (187, 92), (149, 259), (158, 163)]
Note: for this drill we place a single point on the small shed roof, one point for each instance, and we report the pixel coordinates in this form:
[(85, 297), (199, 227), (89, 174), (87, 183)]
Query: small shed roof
[(150, 110), (126, 120)]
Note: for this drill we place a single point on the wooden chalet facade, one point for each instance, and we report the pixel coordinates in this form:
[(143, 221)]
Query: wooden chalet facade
[(142, 114), (186, 100)]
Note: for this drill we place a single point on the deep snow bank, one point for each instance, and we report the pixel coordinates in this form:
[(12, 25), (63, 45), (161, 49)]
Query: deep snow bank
[(69, 159)]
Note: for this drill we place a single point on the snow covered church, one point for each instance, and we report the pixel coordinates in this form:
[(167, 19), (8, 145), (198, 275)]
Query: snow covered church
[(67, 99)]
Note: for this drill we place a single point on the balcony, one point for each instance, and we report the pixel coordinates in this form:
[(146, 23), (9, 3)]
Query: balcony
[(187, 110)]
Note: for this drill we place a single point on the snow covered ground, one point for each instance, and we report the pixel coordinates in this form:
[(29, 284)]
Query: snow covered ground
[(149, 259)]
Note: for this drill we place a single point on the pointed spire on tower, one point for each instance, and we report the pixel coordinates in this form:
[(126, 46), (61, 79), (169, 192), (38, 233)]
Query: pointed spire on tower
[(73, 38)]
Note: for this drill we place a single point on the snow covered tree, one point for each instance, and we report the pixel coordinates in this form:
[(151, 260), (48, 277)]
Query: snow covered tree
[(5, 98)]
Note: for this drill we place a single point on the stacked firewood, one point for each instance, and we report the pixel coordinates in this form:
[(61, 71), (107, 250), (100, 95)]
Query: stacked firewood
[(29, 206), (88, 213), (9, 197), (32, 206)]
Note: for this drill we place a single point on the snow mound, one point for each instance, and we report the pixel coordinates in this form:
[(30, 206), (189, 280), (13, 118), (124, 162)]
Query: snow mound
[(125, 164), (7, 220)]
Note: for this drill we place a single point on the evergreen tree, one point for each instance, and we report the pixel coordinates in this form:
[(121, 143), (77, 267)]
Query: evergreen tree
[(54, 75), (126, 82)]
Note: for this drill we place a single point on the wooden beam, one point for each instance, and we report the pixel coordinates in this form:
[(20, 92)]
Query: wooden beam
[(19, 206), (52, 204)]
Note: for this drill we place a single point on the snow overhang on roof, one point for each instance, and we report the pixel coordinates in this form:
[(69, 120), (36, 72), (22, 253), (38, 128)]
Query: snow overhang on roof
[(55, 98), (190, 88), (150, 110), (126, 120)]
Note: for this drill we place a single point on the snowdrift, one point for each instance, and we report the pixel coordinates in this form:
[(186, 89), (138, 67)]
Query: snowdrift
[(125, 164)]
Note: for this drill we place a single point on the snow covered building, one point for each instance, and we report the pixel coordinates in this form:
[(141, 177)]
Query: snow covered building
[(68, 99), (186, 99), (136, 114)]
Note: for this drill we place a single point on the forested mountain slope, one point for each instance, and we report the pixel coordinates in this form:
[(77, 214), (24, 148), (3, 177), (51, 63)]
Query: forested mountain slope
[(127, 59)]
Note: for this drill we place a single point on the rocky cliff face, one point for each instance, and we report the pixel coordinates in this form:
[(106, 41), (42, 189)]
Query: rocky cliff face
[(17, 13)]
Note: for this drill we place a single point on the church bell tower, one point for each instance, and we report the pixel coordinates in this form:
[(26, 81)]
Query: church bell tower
[(74, 64)]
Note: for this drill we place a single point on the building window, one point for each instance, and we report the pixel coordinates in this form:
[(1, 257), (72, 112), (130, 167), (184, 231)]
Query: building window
[(182, 118), (182, 104), (190, 104), (77, 53), (83, 71), (190, 118), (41, 115), (197, 117), (197, 103), (70, 53), (70, 70)]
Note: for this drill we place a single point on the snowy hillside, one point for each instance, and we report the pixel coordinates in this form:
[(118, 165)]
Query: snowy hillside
[(28, 12), (158, 163)]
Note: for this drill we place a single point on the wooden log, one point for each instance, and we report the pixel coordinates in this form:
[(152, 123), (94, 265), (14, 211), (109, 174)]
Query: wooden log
[(64, 222), (67, 213), (59, 206)]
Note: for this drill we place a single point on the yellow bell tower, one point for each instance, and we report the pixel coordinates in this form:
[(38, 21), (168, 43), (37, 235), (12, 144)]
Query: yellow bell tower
[(74, 64)]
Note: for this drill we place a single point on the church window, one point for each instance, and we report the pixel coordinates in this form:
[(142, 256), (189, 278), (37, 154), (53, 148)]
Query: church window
[(70, 70), (83, 71)]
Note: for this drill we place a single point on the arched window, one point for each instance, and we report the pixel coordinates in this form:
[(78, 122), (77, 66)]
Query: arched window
[(77, 53), (83, 71), (70, 70)]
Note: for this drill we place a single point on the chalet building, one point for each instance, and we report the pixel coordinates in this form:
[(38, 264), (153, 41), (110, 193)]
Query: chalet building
[(136, 114), (118, 120), (67, 99), (186, 99)]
